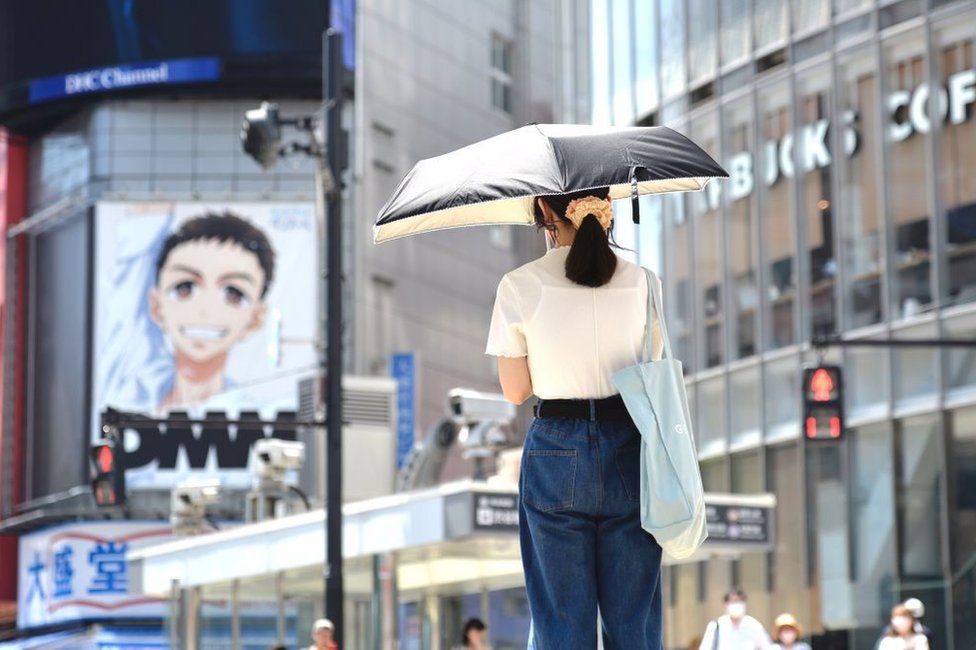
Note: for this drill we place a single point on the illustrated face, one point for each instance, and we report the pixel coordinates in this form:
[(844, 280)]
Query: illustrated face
[(208, 297)]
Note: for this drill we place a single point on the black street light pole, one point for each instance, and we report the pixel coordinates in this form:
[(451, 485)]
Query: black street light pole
[(828, 341), (331, 363)]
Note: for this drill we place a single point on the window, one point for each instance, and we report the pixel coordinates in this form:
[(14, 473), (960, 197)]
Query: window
[(916, 369), (501, 73), (873, 519), (787, 565), (906, 142), (809, 15), (750, 568), (736, 37), (741, 261), (744, 388), (769, 22), (774, 181), (956, 58), (672, 22), (782, 398), (858, 162), (828, 525), (962, 520), (678, 296), (701, 41), (816, 202), (710, 427), (623, 78), (708, 241), (645, 57), (919, 497)]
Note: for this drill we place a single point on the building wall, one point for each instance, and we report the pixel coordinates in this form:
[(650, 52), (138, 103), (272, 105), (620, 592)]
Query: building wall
[(848, 211), (425, 75), (423, 88)]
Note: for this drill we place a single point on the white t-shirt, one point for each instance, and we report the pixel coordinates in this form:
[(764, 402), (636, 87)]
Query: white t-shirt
[(575, 336), (749, 634), (916, 642)]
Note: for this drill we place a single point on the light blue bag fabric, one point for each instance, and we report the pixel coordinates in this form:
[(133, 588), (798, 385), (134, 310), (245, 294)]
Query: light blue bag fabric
[(672, 501)]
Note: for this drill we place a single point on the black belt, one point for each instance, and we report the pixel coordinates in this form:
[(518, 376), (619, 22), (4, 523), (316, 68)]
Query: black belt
[(604, 408)]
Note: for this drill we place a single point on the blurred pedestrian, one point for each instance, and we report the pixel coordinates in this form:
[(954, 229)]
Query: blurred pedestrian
[(903, 634), (915, 606), (474, 636), (322, 632), (787, 632), (735, 630)]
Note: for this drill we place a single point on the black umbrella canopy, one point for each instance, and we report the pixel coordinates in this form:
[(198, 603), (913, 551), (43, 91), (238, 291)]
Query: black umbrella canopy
[(495, 181)]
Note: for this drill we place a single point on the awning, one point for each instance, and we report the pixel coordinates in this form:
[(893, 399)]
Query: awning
[(441, 534), (95, 637)]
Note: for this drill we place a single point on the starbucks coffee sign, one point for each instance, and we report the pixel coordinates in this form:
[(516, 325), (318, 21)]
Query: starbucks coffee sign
[(907, 114)]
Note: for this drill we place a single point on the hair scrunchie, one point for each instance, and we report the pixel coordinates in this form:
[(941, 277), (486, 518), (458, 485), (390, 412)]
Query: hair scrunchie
[(600, 208)]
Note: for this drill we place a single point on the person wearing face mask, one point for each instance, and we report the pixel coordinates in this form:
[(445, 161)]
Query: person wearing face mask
[(787, 633), (903, 634), (917, 609), (735, 630)]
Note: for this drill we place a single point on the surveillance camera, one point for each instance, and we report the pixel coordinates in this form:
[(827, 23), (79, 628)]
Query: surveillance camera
[(469, 406), (195, 493), (483, 438), (261, 134), (188, 504), (275, 457)]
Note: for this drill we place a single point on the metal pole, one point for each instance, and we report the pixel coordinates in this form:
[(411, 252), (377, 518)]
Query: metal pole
[(823, 342), (332, 364)]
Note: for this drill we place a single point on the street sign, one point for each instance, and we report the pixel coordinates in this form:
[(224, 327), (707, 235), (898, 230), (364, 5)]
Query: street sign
[(738, 523), (403, 369), (823, 403)]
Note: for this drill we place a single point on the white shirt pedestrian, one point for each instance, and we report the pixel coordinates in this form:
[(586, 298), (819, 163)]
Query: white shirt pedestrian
[(746, 634), (538, 307)]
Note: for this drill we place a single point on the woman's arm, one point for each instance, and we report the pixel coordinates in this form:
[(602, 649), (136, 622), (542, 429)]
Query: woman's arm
[(513, 375)]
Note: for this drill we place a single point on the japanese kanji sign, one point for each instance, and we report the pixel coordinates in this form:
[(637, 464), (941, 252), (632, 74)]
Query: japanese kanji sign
[(79, 571)]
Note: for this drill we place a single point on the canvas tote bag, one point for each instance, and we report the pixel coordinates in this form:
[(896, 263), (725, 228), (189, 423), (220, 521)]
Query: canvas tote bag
[(672, 501)]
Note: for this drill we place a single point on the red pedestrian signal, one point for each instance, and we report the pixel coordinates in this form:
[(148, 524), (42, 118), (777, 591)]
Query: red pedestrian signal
[(823, 403), (108, 472)]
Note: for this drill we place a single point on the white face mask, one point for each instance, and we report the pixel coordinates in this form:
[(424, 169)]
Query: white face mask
[(901, 624), (736, 610)]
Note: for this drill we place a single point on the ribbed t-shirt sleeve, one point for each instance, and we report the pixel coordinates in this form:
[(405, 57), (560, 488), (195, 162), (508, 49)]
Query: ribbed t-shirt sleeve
[(506, 333)]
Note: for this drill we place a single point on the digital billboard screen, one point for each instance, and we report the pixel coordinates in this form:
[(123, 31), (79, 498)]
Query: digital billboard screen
[(52, 50)]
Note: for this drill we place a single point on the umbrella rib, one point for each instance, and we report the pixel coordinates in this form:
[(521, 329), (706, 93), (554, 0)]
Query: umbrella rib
[(559, 166)]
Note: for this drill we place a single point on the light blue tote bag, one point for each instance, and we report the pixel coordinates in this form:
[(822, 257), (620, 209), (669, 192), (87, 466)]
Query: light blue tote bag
[(672, 501)]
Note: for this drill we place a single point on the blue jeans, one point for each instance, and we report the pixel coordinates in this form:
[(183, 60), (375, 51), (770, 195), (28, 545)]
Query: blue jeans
[(581, 541)]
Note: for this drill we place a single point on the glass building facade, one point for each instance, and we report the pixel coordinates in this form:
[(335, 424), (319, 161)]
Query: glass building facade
[(848, 129)]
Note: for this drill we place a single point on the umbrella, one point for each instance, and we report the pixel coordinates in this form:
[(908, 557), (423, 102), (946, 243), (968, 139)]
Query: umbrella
[(494, 181)]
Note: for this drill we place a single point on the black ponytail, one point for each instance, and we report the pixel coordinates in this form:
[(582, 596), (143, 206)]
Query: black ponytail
[(590, 262)]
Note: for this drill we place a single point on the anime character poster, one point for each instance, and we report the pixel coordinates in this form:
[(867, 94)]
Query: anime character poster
[(201, 308)]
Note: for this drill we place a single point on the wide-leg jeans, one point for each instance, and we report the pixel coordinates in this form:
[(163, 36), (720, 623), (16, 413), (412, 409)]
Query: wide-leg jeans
[(581, 542)]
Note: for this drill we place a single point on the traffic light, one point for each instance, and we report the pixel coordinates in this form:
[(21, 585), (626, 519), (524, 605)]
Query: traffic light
[(108, 471), (823, 403)]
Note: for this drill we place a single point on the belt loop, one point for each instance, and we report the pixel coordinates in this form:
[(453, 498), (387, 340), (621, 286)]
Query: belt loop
[(592, 409), (538, 407)]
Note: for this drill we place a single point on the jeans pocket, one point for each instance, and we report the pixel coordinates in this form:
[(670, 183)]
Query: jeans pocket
[(627, 457), (549, 479)]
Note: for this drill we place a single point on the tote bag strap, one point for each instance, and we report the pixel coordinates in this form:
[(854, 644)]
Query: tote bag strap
[(654, 306)]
